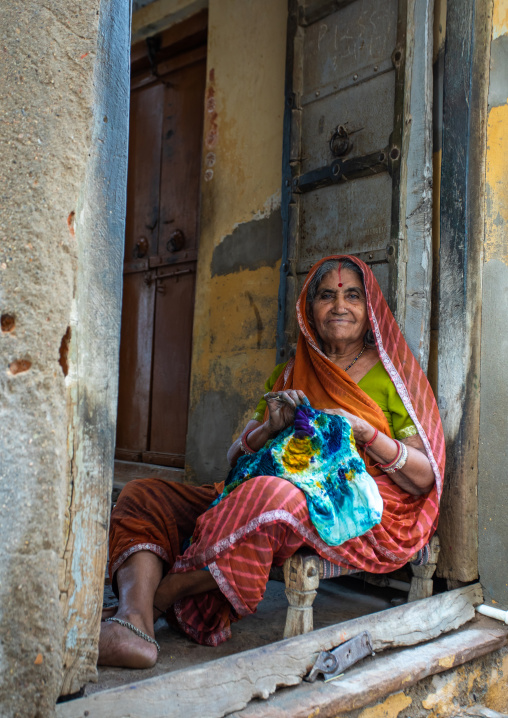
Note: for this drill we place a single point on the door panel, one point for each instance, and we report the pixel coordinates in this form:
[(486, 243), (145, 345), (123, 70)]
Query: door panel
[(142, 226), (353, 109), (352, 218), (349, 41), (350, 153), (183, 117), (143, 185), (161, 251), (136, 363), (171, 367)]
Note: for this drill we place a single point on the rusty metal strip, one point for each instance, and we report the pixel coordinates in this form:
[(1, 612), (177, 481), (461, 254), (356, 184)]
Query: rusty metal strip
[(333, 663), (343, 171)]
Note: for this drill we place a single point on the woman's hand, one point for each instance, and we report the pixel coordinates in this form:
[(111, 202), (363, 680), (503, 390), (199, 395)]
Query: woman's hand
[(362, 430), (416, 477), (281, 408), (281, 413)]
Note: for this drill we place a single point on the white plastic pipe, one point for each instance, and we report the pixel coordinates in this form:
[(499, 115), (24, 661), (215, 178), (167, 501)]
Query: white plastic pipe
[(493, 612)]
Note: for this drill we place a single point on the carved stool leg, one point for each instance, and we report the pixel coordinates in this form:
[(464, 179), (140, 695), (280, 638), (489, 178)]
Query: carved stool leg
[(301, 575), (421, 582)]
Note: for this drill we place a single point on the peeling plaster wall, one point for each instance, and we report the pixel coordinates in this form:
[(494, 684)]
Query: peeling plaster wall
[(480, 682), (493, 451), (64, 83), (241, 232)]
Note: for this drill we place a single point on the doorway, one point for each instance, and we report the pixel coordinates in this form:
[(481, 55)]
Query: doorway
[(168, 75)]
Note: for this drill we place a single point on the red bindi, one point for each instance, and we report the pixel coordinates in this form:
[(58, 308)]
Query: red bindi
[(340, 283)]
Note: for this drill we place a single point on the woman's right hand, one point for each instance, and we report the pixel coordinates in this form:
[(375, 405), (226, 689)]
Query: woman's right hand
[(281, 408)]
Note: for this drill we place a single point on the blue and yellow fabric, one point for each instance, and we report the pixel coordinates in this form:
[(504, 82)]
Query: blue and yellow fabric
[(318, 454)]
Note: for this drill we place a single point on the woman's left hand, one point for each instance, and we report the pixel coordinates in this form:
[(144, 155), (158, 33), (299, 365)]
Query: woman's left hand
[(362, 430)]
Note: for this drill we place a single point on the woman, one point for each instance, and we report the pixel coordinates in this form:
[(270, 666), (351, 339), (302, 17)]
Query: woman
[(352, 359)]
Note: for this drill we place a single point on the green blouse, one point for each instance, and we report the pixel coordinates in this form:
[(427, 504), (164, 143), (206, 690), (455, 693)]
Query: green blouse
[(377, 384)]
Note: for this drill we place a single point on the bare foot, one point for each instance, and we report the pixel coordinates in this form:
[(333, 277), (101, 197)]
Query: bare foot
[(121, 647), (108, 611)]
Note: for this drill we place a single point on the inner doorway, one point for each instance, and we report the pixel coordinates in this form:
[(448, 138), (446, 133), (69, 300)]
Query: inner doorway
[(168, 75)]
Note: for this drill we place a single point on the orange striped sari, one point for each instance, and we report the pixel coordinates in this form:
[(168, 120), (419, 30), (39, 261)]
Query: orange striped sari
[(408, 522), (265, 520)]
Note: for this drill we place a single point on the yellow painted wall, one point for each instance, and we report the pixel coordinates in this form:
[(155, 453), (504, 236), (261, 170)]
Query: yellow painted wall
[(480, 682), (492, 526), (390, 707), (496, 245), (500, 18), (483, 681), (236, 309)]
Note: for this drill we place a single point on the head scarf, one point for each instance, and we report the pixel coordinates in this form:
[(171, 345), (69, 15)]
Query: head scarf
[(328, 386)]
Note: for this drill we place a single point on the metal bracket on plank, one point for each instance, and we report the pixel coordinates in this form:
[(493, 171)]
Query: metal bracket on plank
[(344, 170), (333, 663)]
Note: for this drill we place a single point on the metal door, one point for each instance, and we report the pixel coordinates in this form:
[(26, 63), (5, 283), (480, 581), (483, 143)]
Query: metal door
[(358, 155), (160, 258)]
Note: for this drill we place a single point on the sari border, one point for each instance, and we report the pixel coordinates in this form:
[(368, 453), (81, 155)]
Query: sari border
[(209, 554), (154, 548), (404, 395), (227, 590), (214, 639)]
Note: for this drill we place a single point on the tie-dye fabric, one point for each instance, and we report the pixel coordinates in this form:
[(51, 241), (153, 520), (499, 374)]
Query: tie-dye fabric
[(318, 455)]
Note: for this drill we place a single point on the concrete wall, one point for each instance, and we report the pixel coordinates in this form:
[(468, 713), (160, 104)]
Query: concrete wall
[(241, 232), (63, 142), (493, 451)]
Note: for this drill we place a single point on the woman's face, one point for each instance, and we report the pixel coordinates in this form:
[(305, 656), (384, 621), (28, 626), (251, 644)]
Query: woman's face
[(340, 309)]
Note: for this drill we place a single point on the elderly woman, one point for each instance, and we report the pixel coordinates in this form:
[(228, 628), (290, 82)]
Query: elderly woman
[(351, 359)]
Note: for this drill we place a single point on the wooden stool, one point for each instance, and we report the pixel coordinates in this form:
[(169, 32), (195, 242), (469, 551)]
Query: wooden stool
[(303, 571)]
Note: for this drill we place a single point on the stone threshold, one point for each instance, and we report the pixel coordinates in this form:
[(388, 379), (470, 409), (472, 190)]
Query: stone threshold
[(379, 677), (234, 685)]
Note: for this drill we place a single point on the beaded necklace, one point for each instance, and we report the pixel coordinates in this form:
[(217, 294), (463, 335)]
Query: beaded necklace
[(356, 358)]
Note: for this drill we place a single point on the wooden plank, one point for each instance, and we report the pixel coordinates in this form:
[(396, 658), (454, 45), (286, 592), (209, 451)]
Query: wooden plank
[(180, 192), (170, 460), (378, 677), (126, 471), (479, 712), (184, 33), (466, 83), (146, 78), (416, 251), (138, 300), (258, 673)]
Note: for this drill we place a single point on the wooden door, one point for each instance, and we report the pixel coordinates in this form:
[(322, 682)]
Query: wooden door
[(357, 152), (167, 100)]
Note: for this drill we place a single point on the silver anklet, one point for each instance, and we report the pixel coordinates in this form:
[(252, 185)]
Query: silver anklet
[(135, 630)]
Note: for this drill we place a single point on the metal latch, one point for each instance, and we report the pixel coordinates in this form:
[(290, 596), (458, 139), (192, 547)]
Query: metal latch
[(332, 663), (344, 170)]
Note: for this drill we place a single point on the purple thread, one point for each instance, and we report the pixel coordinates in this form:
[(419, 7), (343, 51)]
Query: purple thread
[(303, 427)]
